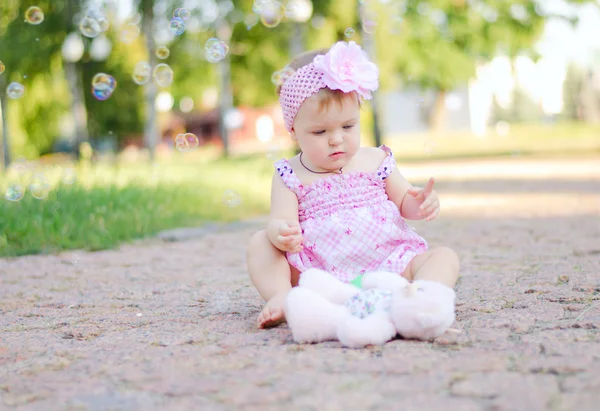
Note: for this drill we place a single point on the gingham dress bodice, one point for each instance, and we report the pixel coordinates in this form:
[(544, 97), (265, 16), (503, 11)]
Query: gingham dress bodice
[(349, 225)]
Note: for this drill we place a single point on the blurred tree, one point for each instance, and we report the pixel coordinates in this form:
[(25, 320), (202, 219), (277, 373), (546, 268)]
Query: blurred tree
[(572, 88), (437, 43), (28, 52)]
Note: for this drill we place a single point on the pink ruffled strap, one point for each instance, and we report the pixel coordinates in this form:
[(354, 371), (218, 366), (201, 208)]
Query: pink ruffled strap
[(387, 166), (288, 176)]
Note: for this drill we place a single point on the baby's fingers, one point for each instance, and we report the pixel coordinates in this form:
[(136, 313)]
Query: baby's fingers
[(434, 214)]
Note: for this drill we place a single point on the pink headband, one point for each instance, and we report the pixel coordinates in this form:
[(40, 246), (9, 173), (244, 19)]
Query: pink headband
[(345, 67)]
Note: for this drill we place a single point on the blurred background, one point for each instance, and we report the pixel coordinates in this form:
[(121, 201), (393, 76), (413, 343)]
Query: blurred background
[(122, 118)]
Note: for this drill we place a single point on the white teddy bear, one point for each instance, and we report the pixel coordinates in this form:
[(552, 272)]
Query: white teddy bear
[(323, 308)]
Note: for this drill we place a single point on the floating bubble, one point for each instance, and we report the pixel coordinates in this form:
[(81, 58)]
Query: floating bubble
[(231, 198), (163, 75), (34, 15), (186, 142), (15, 90), (90, 27), (181, 13), (39, 187), (163, 52), (349, 32), (271, 14), (103, 81), (14, 192), (215, 50), (68, 176), (2, 67), (103, 86), (177, 26), (369, 22), (129, 33), (93, 23), (279, 77), (142, 73)]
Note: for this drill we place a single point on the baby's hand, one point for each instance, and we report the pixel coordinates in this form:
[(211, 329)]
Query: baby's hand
[(290, 237), (428, 199)]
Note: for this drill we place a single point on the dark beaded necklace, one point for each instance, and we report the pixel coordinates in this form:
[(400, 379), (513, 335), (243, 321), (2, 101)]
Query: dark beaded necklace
[(320, 172)]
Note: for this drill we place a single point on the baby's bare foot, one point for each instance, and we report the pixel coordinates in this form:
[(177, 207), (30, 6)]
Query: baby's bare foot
[(272, 314)]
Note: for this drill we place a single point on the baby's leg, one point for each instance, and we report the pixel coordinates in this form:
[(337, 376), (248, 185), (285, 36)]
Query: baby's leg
[(272, 276), (439, 264)]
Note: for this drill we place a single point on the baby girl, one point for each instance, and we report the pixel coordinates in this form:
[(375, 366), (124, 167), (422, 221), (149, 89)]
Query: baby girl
[(338, 206)]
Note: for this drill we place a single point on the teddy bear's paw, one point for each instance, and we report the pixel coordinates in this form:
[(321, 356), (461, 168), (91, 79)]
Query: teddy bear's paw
[(424, 311), (311, 317), (357, 332)]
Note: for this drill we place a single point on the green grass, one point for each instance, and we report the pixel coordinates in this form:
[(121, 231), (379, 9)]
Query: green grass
[(109, 205)]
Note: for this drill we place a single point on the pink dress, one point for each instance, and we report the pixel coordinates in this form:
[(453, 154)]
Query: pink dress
[(349, 225)]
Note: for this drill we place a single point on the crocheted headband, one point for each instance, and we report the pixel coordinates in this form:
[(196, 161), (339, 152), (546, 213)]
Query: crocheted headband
[(345, 67)]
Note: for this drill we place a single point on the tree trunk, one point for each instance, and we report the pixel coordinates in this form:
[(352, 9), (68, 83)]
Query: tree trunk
[(296, 48), (224, 32), (151, 127), (78, 110), (370, 48), (437, 116), (5, 143)]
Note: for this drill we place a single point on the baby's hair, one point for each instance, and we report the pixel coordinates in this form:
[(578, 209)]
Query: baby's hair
[(325, 95)]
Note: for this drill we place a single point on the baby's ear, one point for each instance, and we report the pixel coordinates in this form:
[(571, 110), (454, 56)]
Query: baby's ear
[(293, 134)]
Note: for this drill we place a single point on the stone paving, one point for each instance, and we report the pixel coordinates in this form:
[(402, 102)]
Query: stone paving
[(170, 325)]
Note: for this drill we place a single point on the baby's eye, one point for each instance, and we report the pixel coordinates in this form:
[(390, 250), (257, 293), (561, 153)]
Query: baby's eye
[(348, 127), (318, 133)]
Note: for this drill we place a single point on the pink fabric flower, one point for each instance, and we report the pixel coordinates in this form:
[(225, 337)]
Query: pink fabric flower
[(347, 67)]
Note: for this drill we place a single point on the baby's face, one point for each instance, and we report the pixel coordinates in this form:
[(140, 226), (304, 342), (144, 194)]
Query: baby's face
[(328, 137)]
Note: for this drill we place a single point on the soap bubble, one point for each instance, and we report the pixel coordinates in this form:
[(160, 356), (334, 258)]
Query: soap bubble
[(90, 27), (2, 67), (369, 22), (93, 23), (39, 187), (14, 192), (163, 75), (142, 73), (272, 15), (279, 77), (231, 198), (103, 81), (349, 32), (163, 52), (181, 13), (215, 50), (177, 26), (34, 15), (15, 90), (186, 142), (68, 176), (103, 86), (129, 33)]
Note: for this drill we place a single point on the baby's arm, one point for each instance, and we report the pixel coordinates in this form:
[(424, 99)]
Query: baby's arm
[(283, 228), (396, 187)]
